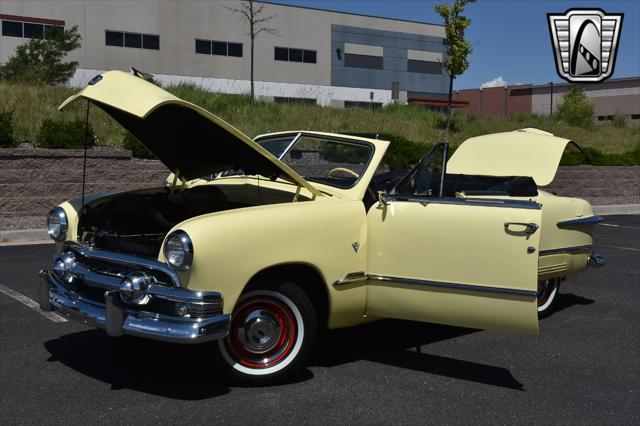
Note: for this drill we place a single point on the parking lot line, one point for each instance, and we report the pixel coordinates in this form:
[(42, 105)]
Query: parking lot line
[(52, 316), (618, 247), (613, 225)]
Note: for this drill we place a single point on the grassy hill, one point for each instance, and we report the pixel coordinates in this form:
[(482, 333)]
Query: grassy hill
[(32, 104)]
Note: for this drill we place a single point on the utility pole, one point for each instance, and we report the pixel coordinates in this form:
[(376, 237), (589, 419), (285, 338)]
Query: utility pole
[(551, 103)]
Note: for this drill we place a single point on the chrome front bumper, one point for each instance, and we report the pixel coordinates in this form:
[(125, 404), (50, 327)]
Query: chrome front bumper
[(118, 317)]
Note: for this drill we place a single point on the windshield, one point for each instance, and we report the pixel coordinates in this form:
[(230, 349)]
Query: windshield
[(316, 158)]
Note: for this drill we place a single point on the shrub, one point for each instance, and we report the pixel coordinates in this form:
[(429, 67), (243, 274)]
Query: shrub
[(620, 121), (65, 134), (6, 130), (576, 109), (138, 150), (403, 153)]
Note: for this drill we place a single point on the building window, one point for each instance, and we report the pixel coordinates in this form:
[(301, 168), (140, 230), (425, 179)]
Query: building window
[(11, 29), (286, 100), (234, 49), (424, 67), (363, 61), (134, 40), (33, 30), (294, 55), (114, 38), (221, 48), (151, 41), (360, 104), (30, 27)]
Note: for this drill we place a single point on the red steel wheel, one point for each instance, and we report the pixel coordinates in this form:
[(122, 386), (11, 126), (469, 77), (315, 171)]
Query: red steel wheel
[(266, 334)]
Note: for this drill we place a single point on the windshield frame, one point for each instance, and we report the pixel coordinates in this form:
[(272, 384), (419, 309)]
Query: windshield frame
[(297, 135)]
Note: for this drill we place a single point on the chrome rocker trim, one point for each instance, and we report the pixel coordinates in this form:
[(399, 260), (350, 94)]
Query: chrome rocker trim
[(455, 286), (566, 250), (117, 319)]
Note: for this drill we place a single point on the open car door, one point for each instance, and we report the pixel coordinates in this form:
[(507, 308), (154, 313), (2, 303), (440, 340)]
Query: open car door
[(456, 261)]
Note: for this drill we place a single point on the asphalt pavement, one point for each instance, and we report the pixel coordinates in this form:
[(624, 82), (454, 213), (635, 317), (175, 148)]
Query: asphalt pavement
[(583, 368)]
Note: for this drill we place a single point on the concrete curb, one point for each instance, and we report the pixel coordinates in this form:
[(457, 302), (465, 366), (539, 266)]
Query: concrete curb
[(24, 236), (616, 209), (40, 236)]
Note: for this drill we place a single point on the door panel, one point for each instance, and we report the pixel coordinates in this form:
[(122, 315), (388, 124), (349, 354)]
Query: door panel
[(455, 262)]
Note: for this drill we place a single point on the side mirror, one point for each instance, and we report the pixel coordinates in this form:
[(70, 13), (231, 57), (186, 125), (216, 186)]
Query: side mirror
[(382, 198)]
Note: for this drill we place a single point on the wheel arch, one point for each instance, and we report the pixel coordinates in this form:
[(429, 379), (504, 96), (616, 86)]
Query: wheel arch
[(306, 276)]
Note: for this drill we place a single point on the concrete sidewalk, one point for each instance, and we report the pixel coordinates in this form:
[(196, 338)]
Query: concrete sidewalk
[(40, 236)]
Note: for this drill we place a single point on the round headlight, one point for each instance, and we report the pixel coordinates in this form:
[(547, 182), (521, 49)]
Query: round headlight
[(178, 250), (57, 224)]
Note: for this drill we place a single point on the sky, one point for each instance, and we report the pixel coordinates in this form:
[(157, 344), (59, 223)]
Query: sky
[(510, 38)]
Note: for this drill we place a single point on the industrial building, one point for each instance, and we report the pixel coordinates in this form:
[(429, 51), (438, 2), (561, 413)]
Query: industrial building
[(613, 97), (320, 56)]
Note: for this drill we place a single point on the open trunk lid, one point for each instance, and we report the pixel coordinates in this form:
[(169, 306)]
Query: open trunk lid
[(524, 152), (188, 139)]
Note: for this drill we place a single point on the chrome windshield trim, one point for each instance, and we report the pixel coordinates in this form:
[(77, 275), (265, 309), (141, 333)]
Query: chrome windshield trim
[(487, 202), (124, 259), (589, 220), (455, 286), (293, 141), (567, 250)]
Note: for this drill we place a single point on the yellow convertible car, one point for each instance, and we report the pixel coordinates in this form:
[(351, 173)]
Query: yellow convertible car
[(259, 244)]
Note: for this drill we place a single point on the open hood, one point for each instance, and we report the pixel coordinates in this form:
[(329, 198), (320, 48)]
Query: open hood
[(188, 139), (524, 152)]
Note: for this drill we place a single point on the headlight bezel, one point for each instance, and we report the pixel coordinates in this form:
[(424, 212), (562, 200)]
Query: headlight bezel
[(187, 249), (61, 215)]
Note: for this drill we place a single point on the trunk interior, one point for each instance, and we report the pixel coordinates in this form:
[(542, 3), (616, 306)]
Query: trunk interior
[(136, 222)]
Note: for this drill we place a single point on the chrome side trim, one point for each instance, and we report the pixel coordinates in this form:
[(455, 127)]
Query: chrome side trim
[(487, 202), (589, 220), (456, 286), (566, 250), (124, 259), (352, 277)]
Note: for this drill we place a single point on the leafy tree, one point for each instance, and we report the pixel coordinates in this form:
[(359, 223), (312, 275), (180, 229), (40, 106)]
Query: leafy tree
[(458, 49), (576, 109), (41, 60), (254, 16)]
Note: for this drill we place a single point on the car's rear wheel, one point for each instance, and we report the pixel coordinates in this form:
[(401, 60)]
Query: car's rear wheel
[(271, 335), (547, 296)]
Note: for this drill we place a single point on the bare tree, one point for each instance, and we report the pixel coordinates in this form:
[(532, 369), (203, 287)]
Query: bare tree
[(254, 15)]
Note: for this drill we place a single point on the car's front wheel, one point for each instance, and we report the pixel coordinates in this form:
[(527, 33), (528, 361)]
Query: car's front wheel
[(271, 335), (547, 296)]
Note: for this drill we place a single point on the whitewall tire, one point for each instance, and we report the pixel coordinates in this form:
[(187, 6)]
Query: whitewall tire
[(271, 334)]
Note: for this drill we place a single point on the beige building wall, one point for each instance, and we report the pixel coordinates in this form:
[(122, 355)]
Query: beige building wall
[(179, 23)]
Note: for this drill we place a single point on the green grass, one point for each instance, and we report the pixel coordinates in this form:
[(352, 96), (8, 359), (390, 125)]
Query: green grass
[(33, 104)]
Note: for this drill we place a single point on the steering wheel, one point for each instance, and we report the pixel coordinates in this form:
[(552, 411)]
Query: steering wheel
[(342, 170)]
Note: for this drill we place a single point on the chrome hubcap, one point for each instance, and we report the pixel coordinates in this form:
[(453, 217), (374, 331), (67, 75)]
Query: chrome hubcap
[(260, 332)]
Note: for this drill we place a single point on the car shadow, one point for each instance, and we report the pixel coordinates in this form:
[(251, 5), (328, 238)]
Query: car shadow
[(568, 300), (402, 344), (186, 372), (196, 372)]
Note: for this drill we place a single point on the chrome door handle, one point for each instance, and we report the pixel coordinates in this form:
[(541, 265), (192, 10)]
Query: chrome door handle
[(530, 228)]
